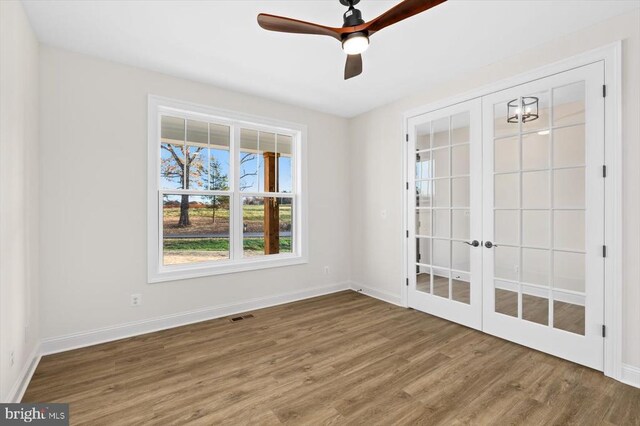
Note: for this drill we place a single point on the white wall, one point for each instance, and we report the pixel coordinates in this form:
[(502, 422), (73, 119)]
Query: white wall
[(376, 166), (18, 195), (94, 215)]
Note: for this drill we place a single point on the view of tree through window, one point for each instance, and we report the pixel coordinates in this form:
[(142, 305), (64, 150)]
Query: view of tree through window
[(200, 189)]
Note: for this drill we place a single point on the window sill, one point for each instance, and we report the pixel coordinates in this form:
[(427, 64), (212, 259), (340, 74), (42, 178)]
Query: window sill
[(181, 272)]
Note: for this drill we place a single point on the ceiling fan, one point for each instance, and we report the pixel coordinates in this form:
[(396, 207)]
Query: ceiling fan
[(355, 32)]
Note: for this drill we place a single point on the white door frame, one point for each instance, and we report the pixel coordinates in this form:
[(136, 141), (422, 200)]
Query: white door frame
[(611, 56)]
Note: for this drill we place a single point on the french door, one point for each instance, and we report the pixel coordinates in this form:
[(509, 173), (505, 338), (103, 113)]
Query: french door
[(544, 214), (445, 223), (534, 176)]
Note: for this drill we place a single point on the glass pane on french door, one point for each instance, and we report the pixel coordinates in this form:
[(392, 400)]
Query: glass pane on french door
[(446, 188), (543, 213)]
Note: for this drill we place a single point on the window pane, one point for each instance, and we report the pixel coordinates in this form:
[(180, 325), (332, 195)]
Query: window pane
[(506, 191), (440, 192), (568, 188), (535, 190), (568, 317), (423, 251), (461, 288), (460, 160), (535, 228), (195, 229), (441, 223), (569, 146), (172, 152), (535, 150), (568, 104), (266, 225), (569, 229), (535, 309), (197, 155), (507, 262), (423, 194), (537, 102), (442, 253), (423, 136), (535, 266), (460, 127), (506, 156), (171, 166), (172, 130), (440, 130), (460, 192), (249, 160), (440, 162), (441, 282), (568, 271), (506, 302), (501, 126), (423, 165), (284, 149), (197, 165), (219, 157), (423, 222), (460, 256), (507, 230), (423, 279), (460, 224), (267, 163)]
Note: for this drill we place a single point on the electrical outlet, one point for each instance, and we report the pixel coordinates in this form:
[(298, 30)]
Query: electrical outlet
[(136, 299), (11, 358), (326, 270)]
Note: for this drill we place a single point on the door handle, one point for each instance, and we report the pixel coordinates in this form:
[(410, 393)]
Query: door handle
[(474, 243), (489, 244)]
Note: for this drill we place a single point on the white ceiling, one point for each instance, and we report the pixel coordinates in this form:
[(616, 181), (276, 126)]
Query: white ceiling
[(219, 42)]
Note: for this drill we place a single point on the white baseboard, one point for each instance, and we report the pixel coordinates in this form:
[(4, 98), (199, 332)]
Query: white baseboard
[(630, 375), (377, 294), (20, 386), (107, 334)]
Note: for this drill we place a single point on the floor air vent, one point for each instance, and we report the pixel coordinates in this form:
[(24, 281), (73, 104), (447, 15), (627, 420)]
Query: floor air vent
[(240, 317)]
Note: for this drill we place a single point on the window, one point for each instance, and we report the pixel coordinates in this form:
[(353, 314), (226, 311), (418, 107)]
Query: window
[(225, 192)]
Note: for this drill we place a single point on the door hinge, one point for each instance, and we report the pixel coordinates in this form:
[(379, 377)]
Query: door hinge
[(407, 233), (604, 330), (407, 282), (604, 251), (604, 90), (407, 186), (604, 171), (406, 137)]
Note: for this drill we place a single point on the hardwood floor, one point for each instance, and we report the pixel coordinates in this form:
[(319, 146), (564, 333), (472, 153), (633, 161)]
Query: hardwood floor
[(344, 358)]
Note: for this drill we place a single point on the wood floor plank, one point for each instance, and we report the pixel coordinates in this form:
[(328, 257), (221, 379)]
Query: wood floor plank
[(338, 359)]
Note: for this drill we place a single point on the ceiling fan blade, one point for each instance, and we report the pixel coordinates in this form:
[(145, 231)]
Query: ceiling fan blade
[(288, 25), (402, 10), (353, 66)]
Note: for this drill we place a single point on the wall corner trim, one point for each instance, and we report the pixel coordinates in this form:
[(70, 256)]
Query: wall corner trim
[(20, 386), (121, 331)]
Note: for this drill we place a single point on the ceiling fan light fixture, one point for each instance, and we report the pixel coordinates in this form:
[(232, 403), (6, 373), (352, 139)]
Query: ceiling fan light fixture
[(355, 43)]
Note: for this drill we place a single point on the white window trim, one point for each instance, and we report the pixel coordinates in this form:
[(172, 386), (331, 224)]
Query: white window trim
[(156, 271)]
